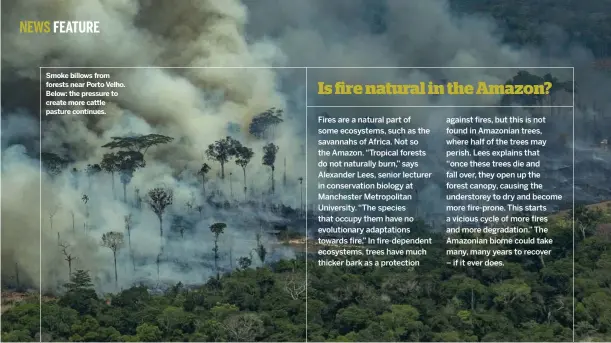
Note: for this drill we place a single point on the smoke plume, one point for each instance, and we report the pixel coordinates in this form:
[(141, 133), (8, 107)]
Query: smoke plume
[(197, 106)]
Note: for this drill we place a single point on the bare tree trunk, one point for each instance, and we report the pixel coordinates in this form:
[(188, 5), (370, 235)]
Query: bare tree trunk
[(138, 199), (245, 188), (222, 171), (73, 228), (284, 175), (216, 257), (114, 253), (301, 196), (125, 193), (161, 233), (551, 103), (161, 242), (112, 179), (273, 181), (160, 226), (158, 263), (244, 173), (131, 252), (203, 184)]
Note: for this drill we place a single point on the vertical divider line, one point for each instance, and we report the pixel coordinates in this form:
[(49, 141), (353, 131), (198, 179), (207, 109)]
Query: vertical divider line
[(306, 204), (573, 203), (40, 203)]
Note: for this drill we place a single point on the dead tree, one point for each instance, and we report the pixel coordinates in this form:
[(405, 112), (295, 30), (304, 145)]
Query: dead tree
[(68, 257), (243, 327), (52, 212), (295, 286)]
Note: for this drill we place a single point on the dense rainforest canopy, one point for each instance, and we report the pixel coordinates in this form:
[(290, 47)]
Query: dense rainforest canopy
[(529, 299)]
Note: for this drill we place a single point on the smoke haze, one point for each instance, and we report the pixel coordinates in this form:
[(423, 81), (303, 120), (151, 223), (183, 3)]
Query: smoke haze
[(195, 107)]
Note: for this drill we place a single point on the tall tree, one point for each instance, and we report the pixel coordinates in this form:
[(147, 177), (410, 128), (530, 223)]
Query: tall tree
[(231, 185), (138, 199), (190, 203), (269, 159), (555, 83), (243, 156), (128, 162), (203, 171), (557, 87), (109, 164), (127, 219), (300, 179), (52, 212), (159, 199), (113, 241), (130, 157), (217, 229), (180, 224), (158, 262), (85, 199), (53, 163), (92, 170), (221, 151), (74, 178), (260, 249), (523, 78), (263, 124), (137, 143), (284, 174), (67, 256)]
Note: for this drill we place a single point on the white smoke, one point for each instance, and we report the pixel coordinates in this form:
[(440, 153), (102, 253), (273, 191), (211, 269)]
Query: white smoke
[(194, 106), (172, 102)]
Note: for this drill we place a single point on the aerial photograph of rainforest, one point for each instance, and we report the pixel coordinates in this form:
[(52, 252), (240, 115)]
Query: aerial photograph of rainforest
[(186, 210)]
